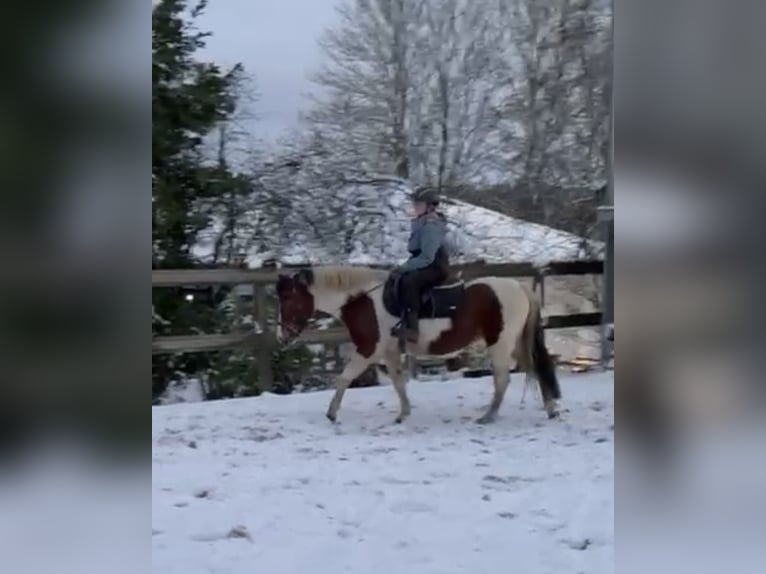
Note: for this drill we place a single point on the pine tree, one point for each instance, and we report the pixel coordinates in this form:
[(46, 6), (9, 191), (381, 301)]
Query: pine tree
[(189, 100)]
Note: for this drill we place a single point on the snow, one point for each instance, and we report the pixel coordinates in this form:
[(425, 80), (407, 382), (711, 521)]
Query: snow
[(498, 238), (373, 219), (186, 390), (268, 484)]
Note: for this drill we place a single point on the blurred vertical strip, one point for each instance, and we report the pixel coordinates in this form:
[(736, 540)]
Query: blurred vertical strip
[(74, 227), (74, 222), (690, 87)]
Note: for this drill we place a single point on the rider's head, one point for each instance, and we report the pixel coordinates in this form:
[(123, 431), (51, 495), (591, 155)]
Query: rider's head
[(424, 198)]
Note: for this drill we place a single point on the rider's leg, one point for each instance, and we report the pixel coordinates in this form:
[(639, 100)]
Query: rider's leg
[(413, 285)]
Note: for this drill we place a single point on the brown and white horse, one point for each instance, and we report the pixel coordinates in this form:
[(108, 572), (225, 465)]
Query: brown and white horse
[(500, 311)]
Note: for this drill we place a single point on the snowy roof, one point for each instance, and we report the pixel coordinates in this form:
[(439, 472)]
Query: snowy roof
[(368, 222)]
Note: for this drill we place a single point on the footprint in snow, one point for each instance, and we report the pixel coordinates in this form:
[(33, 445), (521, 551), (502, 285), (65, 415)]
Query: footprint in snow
[(441, 474), (411, 506), (577, 544), (236, 532), (393, 480), (509, 479)]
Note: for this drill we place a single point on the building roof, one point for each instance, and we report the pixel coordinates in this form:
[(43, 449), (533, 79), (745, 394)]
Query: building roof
[(367, 223)]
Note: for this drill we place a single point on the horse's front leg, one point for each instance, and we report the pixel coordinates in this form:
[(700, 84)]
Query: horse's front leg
[(396, 371), (353, 369)]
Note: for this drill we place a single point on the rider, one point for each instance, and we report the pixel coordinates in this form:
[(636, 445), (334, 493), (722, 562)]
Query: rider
[(428, 264)]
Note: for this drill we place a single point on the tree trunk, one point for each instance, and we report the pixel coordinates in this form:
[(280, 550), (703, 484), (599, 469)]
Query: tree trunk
[(399, 55), (444, 97)]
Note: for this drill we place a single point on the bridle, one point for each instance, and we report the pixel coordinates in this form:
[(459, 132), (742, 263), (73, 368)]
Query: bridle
[(293, 334)]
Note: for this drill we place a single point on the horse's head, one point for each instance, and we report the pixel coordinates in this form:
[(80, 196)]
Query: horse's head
[(296, 303)]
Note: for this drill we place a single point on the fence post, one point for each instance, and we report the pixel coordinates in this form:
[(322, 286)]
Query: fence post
[(540, 278), (607, 347), (411, 365), (265, 341), (337, 358)]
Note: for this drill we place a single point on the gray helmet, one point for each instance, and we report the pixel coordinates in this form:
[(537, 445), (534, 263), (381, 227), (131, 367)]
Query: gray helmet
[(426, 194)]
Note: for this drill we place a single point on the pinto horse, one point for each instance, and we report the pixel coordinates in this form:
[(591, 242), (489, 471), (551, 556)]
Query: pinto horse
[(500, 311)]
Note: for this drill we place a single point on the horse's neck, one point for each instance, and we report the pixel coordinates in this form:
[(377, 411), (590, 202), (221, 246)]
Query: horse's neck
[(330, 302)]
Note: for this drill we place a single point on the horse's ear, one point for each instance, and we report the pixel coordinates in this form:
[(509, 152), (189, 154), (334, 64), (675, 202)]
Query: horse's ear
[(305, 277), (283, 282)]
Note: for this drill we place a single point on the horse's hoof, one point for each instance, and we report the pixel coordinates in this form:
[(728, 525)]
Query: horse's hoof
[(554, 415), (331, 417), (402, 417), (485, 420)]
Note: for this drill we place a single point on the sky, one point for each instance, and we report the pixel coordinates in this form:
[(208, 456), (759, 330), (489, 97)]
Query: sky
[(276, 41)]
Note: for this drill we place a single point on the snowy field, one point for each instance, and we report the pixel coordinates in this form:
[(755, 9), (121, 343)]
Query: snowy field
[(269, 485)]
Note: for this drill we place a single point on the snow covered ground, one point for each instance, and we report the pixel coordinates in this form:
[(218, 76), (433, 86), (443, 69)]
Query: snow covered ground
[(268, 485)]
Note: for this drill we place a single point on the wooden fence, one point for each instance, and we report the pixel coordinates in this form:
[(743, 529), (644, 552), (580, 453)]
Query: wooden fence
[(265, 341)]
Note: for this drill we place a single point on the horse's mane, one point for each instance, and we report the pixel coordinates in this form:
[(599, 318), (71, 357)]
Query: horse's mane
[(346, 278)]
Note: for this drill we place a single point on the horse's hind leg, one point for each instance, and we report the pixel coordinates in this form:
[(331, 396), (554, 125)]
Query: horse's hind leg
[(395, 368), (501, 376)]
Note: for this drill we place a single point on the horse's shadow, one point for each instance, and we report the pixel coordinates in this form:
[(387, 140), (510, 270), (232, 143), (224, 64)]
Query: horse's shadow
[(424, 421)]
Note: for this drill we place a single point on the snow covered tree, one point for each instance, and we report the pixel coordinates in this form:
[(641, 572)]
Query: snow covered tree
[(363, 98), (555, 77), (189, 99), (461, 92), (406, 88), (452, 108)]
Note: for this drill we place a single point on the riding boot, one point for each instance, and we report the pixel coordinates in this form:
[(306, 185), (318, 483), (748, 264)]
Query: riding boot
[(411, 325)]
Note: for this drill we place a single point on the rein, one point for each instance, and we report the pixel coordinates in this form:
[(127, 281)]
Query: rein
[(374, 288)]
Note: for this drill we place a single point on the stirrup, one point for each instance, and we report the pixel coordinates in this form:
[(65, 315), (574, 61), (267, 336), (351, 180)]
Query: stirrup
[(398, 329)]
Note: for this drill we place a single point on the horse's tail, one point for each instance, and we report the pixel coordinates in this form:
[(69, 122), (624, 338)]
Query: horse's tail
[(533, 356), (525, 345)]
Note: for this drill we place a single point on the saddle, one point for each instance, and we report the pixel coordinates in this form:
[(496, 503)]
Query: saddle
[(440, 302)]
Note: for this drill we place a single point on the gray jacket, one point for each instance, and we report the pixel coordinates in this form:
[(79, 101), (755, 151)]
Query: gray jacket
[(429, 233)]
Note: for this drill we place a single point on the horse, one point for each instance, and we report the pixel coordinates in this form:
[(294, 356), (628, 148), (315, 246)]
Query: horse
[(500, 311)]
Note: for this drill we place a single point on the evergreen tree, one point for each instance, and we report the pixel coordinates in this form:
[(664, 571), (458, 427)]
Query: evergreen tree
[(189, 100)]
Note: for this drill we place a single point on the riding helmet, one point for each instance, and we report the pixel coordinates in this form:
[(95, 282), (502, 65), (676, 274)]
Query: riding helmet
[(426, 194)]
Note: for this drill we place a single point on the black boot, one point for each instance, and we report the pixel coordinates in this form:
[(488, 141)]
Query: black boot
[(411, 331), (400, 330)]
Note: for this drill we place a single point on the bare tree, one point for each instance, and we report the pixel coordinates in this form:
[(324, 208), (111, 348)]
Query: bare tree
[(454, 114), (406, 87), (457, 93), (363, 88), (554, 115)]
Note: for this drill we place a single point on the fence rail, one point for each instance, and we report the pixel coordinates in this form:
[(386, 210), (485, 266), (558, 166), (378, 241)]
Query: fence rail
[(221, 342), (263, 343), (209, 277)]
